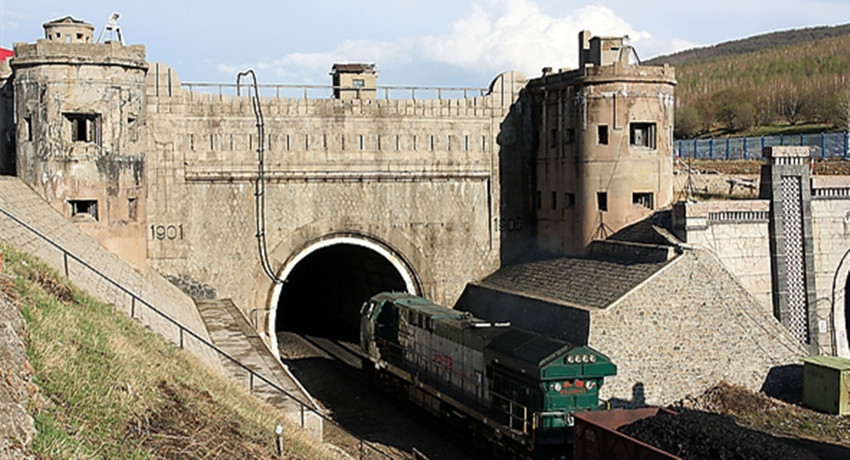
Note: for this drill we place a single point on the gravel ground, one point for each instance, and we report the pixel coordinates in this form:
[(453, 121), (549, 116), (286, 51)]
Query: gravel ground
[(395, 426)]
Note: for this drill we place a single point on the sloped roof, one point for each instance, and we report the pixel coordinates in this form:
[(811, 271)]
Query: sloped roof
[(66, 20), (573, 281)]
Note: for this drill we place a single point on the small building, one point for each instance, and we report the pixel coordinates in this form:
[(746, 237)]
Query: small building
[(354, 81)]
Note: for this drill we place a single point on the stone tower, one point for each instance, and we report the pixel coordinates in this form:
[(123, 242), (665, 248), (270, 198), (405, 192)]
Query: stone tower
[(605, 144), (81, 131)]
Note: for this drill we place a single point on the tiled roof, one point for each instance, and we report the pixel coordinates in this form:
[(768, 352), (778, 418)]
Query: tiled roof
[(581, 282), (353, 68)]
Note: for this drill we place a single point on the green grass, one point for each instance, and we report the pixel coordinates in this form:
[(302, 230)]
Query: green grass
[(108, 388)]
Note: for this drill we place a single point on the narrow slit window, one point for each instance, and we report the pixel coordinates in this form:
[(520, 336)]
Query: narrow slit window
[(132, 208), (602, 131), (554, 200), (28, 128)]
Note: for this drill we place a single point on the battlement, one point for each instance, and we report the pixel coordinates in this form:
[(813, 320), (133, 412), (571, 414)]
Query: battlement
[(111, 53)]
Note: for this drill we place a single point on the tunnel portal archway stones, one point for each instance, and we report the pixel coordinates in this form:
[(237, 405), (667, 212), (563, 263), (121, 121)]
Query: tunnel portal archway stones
[(841, 279), (392, 255)]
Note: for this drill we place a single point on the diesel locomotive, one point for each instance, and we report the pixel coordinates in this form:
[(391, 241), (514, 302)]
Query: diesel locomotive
[(507, 385)]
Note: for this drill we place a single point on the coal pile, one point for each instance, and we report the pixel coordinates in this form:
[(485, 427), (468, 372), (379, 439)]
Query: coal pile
[(700, 435)]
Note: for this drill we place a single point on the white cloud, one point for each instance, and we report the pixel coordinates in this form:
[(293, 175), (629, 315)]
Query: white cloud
[(499, 35), (522, 37)]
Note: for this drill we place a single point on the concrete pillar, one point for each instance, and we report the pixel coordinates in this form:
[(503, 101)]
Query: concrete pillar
[(785, 181)]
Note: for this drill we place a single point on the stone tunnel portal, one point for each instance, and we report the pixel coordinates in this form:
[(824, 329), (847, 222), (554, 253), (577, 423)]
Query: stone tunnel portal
[(327, 284)]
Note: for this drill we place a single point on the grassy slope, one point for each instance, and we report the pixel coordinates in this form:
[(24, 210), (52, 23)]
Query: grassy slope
[(111, 389)]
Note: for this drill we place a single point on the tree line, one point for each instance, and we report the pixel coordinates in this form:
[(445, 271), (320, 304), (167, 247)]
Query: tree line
[(802, 83)]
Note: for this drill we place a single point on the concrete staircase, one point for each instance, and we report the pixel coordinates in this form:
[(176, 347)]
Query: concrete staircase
[(231, 333)]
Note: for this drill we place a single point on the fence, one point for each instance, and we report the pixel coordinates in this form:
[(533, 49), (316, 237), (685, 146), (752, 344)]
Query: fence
[(823, 145), (327, 92), (350, 442)]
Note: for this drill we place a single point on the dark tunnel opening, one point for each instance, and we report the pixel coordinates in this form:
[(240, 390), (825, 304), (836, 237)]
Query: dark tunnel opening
[(323, 294)]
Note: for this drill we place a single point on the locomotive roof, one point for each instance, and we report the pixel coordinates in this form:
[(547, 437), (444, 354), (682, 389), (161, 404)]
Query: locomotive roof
[(529, 347), (421, 305)]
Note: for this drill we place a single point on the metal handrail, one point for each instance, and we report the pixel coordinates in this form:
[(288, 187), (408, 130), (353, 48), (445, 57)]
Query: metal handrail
[(305, 89), (183, 329)]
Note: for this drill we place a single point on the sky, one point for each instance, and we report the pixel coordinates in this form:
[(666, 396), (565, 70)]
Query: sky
[(456, 43)]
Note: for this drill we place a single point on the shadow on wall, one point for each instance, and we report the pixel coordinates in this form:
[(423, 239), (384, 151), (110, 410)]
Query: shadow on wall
[(638, 399), (785, 383)]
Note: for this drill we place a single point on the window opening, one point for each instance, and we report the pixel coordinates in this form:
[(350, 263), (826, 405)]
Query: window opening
[(537, 199), (642, 135), (569, 200), (28, 127), (643, 199), (84, 208), (570, 136), (132, 208), (85, 127), (602, 131), (602, 200), (554, 200)]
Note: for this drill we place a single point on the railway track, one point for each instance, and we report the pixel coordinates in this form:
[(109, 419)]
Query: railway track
[(331, 373)]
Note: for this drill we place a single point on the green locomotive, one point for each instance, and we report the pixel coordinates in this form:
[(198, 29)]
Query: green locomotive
[(503, 382)]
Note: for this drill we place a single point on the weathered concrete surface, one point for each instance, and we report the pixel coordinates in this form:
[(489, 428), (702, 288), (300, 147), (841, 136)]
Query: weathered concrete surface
[(17, 428), (232, 333)]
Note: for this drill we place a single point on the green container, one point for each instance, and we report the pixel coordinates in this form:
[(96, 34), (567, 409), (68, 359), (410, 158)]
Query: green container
[(826, 384)]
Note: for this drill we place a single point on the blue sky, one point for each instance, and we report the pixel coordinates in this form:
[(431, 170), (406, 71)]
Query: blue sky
[(416, 42)]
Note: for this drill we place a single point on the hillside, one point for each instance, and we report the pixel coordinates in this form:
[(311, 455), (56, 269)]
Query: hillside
[(102, 386), (751, 44), (785, 78)]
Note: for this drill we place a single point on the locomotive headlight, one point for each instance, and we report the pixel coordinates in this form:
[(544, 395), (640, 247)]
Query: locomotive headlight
[(558, 386), (593, 358), (585, 359), (570, 359)]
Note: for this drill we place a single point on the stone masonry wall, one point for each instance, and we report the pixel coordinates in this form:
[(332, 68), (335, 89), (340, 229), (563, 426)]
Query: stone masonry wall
[(688, 327), (831, 226), (421, 176), (736, 232)]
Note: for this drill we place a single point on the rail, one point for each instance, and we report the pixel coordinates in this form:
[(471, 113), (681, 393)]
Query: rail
[(364, 447), (304, 91)]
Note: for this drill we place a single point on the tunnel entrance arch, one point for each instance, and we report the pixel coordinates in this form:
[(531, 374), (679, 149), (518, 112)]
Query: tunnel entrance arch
[(327, 280)]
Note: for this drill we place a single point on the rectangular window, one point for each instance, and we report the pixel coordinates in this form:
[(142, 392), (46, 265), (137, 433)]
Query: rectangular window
[(602, 200), (570, 136), (602, 131), (28, 128), (361, 141), (537, 199), (431, 142), (84, 208), (358, 83), (465, 143), (553, 138), (554, 200), (643, 199), (85, 127), (642, 135), (569, 200), (132, 208)]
